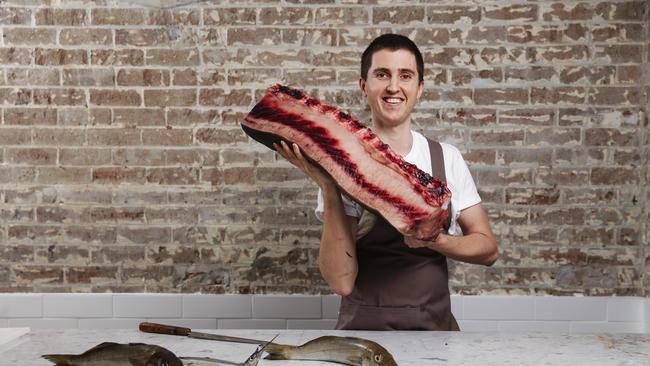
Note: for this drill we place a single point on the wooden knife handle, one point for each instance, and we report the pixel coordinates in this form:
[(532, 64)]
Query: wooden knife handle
[(164, 329)]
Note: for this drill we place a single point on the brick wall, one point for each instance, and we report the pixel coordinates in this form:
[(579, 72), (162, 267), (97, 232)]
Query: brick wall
[(122, 167)]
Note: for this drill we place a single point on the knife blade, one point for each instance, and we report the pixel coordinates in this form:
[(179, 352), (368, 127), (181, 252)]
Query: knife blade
[(187, 332)]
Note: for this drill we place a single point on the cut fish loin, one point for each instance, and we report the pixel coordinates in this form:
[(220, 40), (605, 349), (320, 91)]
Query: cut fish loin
[(415, 203)]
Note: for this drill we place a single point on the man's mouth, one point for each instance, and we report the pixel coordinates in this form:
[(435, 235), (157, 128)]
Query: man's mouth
[(393, 100)]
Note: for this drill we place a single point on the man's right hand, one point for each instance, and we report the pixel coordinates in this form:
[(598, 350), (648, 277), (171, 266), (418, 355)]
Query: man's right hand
[(295, 157)]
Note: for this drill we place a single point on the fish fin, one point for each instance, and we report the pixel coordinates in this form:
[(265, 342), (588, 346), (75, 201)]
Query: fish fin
[(59, 360), (354, 360), (277, 352), (101, 346)]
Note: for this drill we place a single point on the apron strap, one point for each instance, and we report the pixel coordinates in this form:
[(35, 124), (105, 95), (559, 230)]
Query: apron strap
[(438, 168)]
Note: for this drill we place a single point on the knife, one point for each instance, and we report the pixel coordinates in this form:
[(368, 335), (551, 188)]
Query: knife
[(187, 332)]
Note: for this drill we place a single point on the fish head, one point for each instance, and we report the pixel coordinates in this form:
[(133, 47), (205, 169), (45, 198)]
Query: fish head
[(164, 357), (377, 355), (255, 357), (380, 359)]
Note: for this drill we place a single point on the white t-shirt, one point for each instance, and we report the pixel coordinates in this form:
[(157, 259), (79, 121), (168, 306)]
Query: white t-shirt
[(459, 180)]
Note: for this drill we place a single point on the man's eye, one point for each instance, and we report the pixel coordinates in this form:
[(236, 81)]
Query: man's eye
[(381, 75), (407, 77)]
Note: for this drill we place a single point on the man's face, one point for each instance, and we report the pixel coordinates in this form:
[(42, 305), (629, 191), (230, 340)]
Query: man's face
[(392, 87)]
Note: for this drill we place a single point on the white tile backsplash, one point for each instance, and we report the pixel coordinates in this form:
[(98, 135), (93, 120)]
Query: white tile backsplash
[(194, 324), (110, 323), (527, 326), (571, 308), (606, 327), (478, 325), (286, 307), (252, 324), (498, 308), (327, 324), (217, 306), (197, 311), (147, 305), (625, 309), (21, 306), (43, 323), (330, 304), (77, 305)]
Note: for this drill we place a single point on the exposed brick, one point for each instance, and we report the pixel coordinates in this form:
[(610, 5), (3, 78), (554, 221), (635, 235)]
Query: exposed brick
[(536, 117), (220, 136), (88, 77), (117, 57), (139, 117), (172, 176), (103, 16), (630, 10), (610, 137), (253, 36), (141, 37), (562, 176), (12, 55), (503, 177), (113, 136), (138, 157), (559, 54), (63, 175), (529, 155), (610, 95), (165, 57), (60, 96), (547, 33), (614, 176), (618, 54), (35, 274), (500, 96), (86, 37), (398, 15), (285, 15), (49, 77), (220, 97), (342, 16), (115, 97), (86, 156), (184, 17), (167, 137), (560, 11), (453, 14), (72, 17), (519, 13), (362, 36), (29, 36), (118, 175), (59, 137), (229, 16), (15, 16), (553, 136), (309, 37), (26, 117), (560, 95), (193, 116), (31, 156)]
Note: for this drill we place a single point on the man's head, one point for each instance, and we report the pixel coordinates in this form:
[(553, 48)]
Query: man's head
[(391, 80), (392, 42)]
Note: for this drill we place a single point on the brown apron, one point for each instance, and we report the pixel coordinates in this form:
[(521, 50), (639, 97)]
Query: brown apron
[(397, 287)]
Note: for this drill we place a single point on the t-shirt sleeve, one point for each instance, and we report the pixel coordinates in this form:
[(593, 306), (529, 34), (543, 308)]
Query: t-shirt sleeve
[(350, 207)]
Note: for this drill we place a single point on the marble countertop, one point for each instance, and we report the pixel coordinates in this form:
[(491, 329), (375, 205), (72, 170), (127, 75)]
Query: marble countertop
[(408, 348)]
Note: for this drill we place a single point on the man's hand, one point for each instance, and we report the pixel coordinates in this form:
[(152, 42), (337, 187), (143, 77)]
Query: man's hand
[(295, 157)]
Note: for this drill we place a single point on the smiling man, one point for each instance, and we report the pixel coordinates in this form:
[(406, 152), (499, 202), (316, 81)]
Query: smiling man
[(388, 281)]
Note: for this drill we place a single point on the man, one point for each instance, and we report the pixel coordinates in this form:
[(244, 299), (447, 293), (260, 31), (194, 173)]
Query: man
[(389, 281)]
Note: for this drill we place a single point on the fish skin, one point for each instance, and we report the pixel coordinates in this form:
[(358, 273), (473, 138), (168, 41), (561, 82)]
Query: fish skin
[(346, 350), (116, 354)]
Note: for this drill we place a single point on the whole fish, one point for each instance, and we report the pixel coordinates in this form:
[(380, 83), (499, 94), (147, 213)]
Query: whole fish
[(346, 350), (116, 354)]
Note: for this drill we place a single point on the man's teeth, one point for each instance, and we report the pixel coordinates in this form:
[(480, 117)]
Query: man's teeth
[(393, 100)]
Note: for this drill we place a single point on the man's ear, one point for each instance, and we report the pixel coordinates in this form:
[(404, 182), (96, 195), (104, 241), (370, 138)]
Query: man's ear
[(362, 86), (420, 89)]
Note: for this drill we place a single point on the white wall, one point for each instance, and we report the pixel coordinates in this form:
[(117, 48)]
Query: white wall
[(474, 313)]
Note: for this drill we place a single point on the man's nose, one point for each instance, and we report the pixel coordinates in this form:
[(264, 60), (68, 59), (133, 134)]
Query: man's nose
[(393, 86)]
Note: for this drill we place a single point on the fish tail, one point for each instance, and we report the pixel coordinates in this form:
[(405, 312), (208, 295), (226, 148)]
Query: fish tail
[(59, 360), (278, 352)]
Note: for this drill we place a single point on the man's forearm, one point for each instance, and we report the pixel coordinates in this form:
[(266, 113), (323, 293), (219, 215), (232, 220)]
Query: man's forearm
[(337, 256), (476, 248)]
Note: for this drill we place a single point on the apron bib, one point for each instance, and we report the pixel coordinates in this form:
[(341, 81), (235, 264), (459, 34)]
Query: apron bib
[(397, 287)]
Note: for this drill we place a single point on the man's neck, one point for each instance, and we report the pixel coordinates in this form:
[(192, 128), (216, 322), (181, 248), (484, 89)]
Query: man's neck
[(399, 138)]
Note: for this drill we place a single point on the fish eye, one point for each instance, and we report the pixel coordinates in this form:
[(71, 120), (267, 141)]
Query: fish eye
[(377, 358)]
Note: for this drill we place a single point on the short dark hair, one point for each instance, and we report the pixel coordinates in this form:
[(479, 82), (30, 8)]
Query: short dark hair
[(391, 42)]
